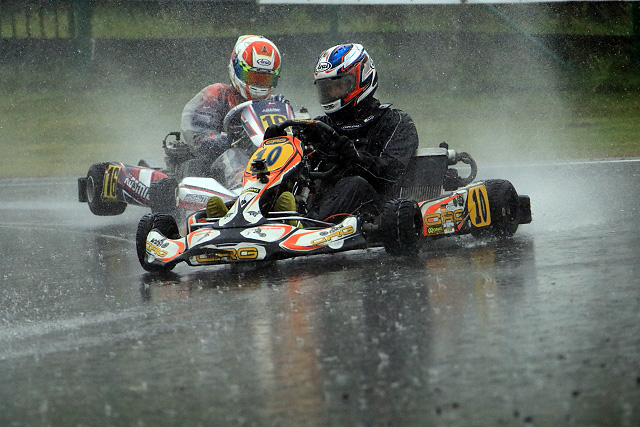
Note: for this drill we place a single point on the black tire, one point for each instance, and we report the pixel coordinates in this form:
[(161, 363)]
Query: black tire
[(162, 196), (165, 225), (401, 227), (94, 191), (503, 208)]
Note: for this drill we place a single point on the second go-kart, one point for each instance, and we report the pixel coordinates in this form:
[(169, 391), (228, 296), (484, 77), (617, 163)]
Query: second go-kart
[(252, 231), (109, 187)]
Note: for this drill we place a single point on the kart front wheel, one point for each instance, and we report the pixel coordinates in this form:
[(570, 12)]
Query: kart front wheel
[(401, 227), (166, 225), (95, 189), (503, 209)]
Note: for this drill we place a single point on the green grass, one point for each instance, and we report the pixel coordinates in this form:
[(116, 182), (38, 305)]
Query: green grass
[(133, 20), (61, 133), (498, 102)]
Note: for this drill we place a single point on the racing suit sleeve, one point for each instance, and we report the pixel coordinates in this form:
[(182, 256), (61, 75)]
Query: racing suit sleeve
[(202, 119), (397, 138)]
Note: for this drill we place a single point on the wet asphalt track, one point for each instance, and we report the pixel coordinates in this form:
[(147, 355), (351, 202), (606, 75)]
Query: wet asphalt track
[(543, 329)]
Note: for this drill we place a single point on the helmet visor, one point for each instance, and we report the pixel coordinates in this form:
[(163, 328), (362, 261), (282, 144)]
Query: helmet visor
[(330, 90), (253, 77)]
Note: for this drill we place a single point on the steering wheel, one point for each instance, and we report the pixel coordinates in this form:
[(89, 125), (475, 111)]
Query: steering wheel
[(232, 115), (314, 125)]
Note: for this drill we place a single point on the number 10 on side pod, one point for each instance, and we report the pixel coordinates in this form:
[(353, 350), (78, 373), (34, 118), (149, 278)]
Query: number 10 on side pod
[(478, 204)]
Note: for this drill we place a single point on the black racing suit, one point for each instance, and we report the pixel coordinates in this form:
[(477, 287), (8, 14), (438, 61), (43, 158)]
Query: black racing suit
[(385, 139)]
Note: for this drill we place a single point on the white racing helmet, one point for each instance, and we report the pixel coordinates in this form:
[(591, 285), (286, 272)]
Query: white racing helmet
[(254, 67), (344, 77)]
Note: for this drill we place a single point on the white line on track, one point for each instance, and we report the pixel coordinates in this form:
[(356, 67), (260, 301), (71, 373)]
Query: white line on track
[(564, 163)]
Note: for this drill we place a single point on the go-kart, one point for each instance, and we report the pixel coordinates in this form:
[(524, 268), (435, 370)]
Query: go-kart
[(110, 186), (253, 231)]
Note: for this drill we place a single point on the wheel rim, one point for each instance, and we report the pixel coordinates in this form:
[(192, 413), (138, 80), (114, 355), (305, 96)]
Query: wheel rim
[(90, 189)]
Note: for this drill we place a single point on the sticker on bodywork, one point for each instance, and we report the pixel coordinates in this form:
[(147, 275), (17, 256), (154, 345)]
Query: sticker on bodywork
[(110, 185), (275, 156), (478, 205)]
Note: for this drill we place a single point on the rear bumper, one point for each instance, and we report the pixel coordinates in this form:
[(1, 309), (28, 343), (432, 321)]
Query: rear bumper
[(524, 209)]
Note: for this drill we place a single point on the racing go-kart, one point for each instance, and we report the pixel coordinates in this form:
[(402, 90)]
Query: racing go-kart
[(253, 231), (179, 189)]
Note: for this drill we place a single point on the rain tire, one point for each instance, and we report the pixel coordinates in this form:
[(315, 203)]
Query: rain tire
[(94, 190), (503, 208), (401, 227), (166, 225)]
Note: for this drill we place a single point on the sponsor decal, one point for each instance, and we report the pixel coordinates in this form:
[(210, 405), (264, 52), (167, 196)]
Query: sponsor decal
[(230, 254), (137, 187), (276, 141), (333, 234), (153, 248), (202, 235), (437, 229), (259, 233), (272, 119), (250, 190), (265, 62), (323, 66), (110, 186), (351, 127), (449, 227), (443, 217), (198, 198)]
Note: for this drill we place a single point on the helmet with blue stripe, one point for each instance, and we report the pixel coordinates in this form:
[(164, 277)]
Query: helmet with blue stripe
[(344, 76)]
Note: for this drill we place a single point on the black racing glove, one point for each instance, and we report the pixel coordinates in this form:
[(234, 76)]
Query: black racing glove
[(272, 131), (344, 150)]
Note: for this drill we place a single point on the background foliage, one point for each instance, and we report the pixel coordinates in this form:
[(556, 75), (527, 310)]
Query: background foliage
[(514, 83)]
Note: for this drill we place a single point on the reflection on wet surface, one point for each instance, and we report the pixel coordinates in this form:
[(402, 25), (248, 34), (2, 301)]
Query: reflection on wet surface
[(539, 329)]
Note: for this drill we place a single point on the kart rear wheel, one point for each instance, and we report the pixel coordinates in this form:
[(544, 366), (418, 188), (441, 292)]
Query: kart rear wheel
[(95, 189), (166, 225), (401, 227), (503, 209)]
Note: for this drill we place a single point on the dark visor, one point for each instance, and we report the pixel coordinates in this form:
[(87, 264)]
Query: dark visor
[(330, 90)]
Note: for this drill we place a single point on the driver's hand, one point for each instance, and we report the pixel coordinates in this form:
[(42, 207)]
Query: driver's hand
[(345, 150), (273, 131), (280, 98)]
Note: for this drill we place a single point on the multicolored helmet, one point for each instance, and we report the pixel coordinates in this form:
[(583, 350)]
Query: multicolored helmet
[(344, 76), (254, 67)]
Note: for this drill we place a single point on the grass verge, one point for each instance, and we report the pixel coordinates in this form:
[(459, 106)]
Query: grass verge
[(61, 133)]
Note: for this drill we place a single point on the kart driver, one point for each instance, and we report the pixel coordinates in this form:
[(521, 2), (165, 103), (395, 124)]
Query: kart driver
[(254, 69), (376, 141)]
